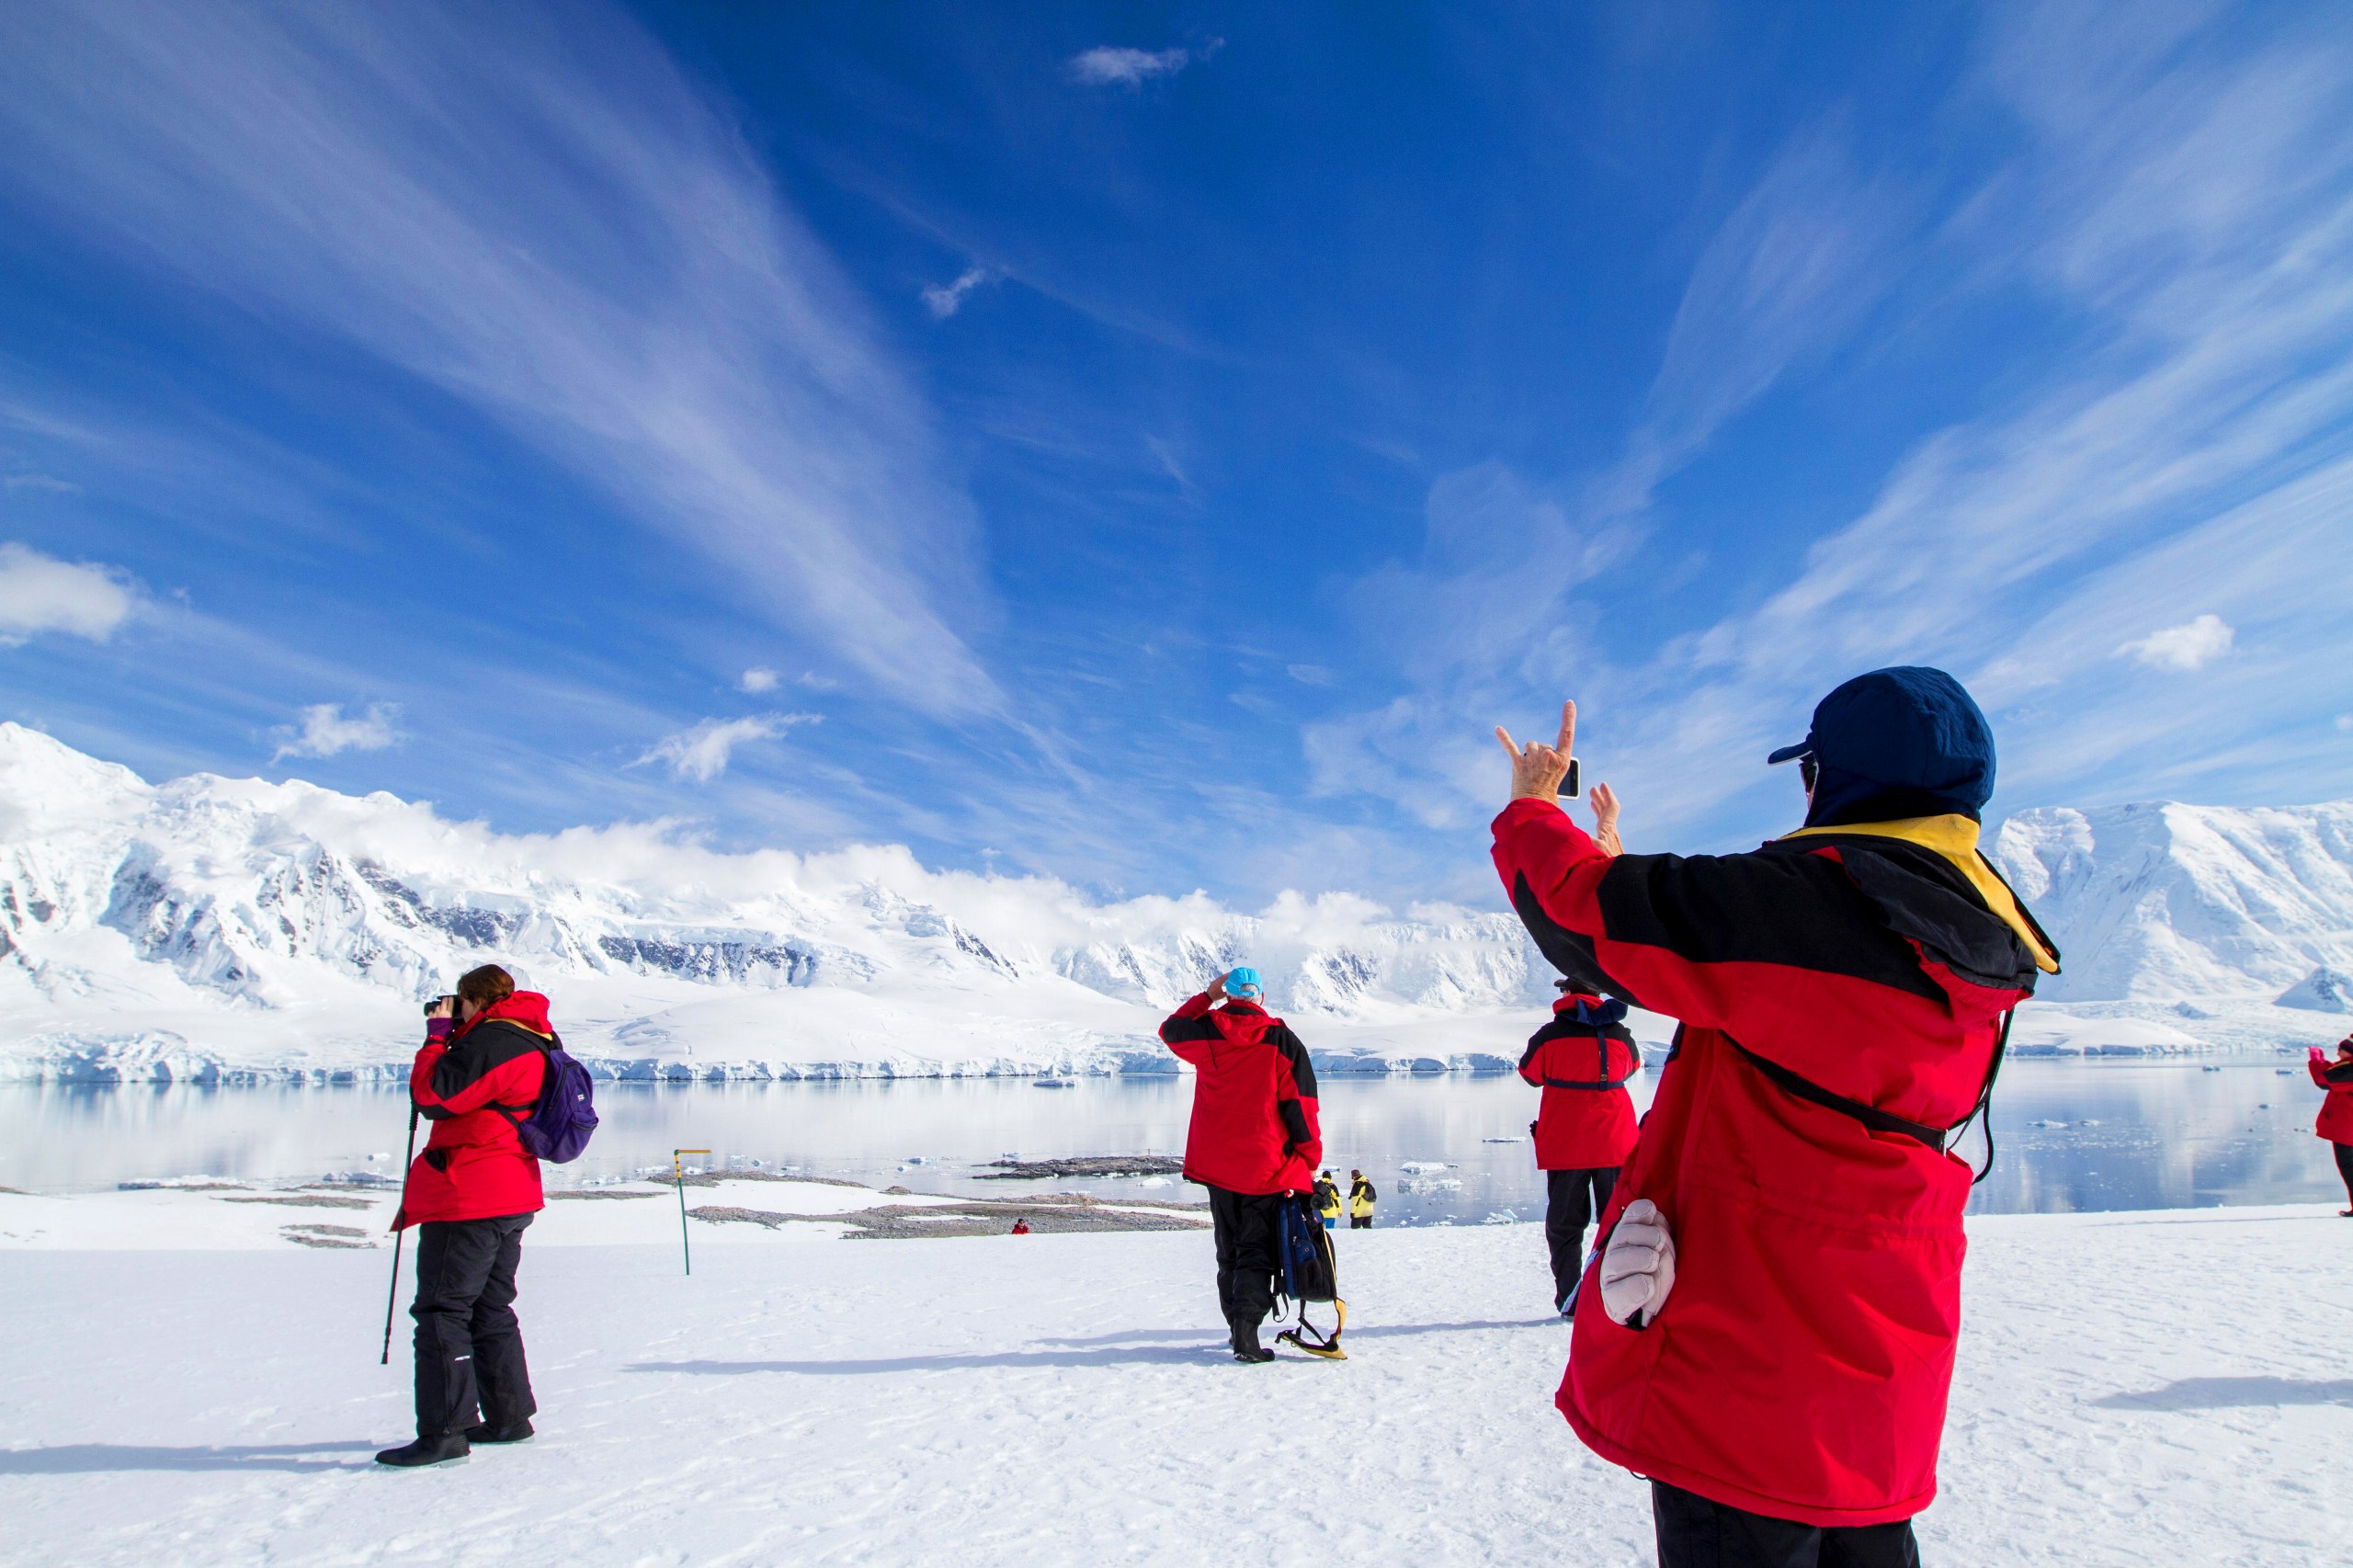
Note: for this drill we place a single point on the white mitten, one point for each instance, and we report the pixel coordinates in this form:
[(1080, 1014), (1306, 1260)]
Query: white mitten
[(1638, 1267)]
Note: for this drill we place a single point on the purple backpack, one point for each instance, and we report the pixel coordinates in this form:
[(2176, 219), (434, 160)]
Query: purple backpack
[(561, 1124)]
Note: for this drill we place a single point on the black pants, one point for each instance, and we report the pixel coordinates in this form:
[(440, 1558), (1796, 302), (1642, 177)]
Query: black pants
[(1696, 1533), (1359, 1222), (1244, 1225), (469, 1346), (2344, 1167), (1571, 1201)]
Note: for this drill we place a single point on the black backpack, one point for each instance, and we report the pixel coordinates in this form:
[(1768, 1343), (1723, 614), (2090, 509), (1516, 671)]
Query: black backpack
[(1311, 1272)]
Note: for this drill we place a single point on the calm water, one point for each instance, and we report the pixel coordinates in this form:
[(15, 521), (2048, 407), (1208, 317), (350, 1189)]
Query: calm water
[(2071, 1135)]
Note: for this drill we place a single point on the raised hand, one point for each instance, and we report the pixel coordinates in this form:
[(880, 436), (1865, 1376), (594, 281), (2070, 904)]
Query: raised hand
[(1537, 769), (1216, 992), (1604, 820)]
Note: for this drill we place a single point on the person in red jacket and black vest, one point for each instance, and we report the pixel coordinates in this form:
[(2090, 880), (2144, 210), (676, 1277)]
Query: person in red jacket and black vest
[(1583, 1125), (1255, 1136), (1843, 995), (2336, 1123), (470, 1194)]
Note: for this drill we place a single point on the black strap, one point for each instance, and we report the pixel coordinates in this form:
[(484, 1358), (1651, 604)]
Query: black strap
[(1878, 1121), (1986, 1099), (1871, 1116)]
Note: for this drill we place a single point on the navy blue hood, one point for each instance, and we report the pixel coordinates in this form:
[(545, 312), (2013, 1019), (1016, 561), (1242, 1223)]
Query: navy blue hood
[(1906, 742)]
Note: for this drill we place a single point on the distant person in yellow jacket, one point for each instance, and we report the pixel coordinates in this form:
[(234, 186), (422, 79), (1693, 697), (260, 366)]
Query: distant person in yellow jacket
[(1362, 1197), (1327, 1201)]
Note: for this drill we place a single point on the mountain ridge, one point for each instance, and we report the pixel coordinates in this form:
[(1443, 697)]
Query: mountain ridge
[(212, 928)]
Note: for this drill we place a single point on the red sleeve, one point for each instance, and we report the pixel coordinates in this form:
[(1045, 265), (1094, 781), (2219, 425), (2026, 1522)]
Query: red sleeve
[(2319, 1070), (1531, 1063), (1553, 872), (1187, 1030)]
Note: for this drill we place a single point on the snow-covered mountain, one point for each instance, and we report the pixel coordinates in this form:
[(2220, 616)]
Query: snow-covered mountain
[(2159, 902), (209, 926)]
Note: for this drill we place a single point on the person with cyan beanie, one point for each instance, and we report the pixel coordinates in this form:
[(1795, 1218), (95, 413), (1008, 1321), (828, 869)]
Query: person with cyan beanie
[(1779, 1281)]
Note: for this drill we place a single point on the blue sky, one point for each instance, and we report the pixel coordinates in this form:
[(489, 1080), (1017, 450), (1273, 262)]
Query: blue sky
[(1153, 444)]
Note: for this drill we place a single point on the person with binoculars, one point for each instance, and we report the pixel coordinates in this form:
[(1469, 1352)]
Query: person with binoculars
[(471, 1195), (1254, 1136)]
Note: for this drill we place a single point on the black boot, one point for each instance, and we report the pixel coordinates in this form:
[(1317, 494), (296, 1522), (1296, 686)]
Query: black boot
[(1246, 1343), (513, 1432), (426, 1451)]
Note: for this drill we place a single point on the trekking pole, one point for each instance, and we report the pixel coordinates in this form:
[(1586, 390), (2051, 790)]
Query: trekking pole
[(679, 1171), (393, 1291)]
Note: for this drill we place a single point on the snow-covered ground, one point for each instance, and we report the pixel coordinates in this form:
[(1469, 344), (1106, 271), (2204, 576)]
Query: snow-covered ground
[(179, 1385)]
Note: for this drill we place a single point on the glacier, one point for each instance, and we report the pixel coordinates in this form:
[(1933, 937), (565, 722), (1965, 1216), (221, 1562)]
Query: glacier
[(216, 931)]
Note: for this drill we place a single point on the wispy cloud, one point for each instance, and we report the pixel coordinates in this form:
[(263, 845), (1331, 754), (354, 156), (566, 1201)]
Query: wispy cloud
[(944, 300), (1111, 66), (702, 753), (756, 679), (2192, 211), (41, 482), (2192, 645), (40, 593), (324, 732), (540, 214)]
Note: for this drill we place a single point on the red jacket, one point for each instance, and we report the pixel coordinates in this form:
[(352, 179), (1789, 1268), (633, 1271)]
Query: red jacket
[(473, 1166), (1582, 1059), (1255, 1125), (1801, 1366), (2335, 1122)]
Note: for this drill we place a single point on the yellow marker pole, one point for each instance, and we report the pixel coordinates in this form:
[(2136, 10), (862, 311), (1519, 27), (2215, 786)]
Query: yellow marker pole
[(678, 1172)]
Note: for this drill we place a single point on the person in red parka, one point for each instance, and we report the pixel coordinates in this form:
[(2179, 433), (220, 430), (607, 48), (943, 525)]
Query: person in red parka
[(1255, 1137), (2336, 1123), (1583, 1125), (1780, 1270), (471, 1195)]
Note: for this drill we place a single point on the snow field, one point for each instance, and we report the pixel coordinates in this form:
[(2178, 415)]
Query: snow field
[(2133, 1389)]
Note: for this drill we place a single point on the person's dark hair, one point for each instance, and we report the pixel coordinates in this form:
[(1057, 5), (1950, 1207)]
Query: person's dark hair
[(485, 986)]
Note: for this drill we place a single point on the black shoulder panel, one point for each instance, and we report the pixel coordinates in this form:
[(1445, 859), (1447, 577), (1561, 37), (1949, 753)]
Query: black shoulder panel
[(492, 1045), (1783, 904), (1923, 896), (1303, 1071)]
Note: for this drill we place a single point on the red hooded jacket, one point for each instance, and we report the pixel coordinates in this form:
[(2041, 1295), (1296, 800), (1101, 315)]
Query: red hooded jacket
[(2335, 1122), (1582, 1059), (1255, 1126), (473, 1166), (1834, 987)]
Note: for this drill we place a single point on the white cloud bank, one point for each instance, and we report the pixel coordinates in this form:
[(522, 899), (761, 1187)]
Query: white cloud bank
[(40, 593), (326, 731), (2189, 646), (1107, 66), (703, 751)]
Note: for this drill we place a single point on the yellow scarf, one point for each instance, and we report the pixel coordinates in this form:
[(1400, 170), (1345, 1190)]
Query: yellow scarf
[(1954, 836)]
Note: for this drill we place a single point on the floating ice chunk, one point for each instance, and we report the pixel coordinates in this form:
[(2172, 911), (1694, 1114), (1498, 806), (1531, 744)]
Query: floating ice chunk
[(1421, 1167)]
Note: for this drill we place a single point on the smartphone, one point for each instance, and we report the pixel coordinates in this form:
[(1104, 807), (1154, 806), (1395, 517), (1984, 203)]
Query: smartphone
[(1569, 784)]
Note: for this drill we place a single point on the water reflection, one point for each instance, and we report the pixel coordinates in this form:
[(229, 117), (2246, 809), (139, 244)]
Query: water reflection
[(2100, 1135)]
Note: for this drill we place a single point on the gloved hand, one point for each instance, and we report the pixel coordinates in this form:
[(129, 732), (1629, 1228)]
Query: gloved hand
[(1638, 1267)]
